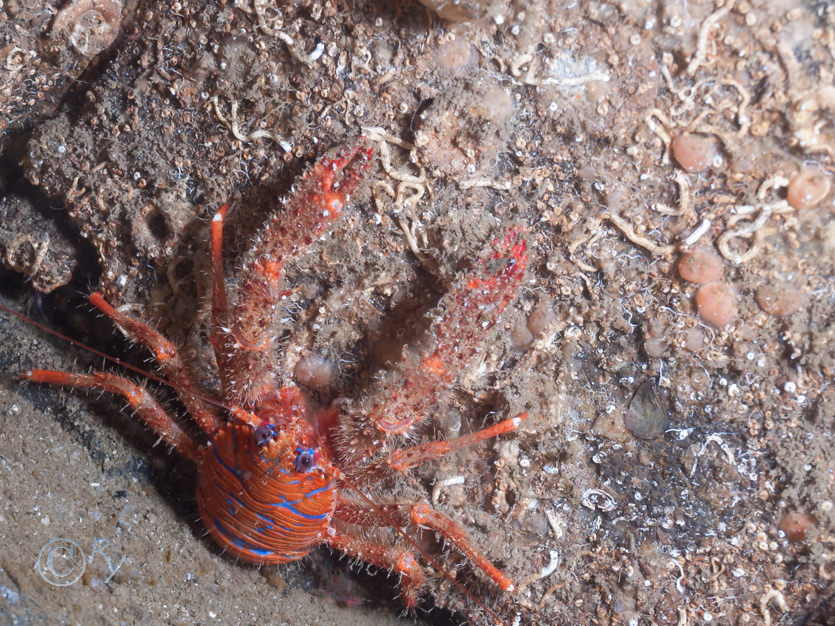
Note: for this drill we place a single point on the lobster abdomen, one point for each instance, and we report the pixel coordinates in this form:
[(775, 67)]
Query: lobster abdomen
[(259, 508)]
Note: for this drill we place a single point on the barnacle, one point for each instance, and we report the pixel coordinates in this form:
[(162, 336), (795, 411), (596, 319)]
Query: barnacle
[(808, 188), (89, 26), (463, 10)]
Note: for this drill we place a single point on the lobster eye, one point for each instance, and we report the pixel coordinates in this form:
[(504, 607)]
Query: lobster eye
[(264, 434), (305, 460)]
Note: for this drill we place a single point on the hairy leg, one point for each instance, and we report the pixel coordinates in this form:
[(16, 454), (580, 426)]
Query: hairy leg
[(241, 334), (137, 397), (423, 516), (397, 560), (474, 308), (166, 355)]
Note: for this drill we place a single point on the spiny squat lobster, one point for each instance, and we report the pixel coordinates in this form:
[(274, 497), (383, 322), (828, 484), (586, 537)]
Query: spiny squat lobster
[(274, 481)]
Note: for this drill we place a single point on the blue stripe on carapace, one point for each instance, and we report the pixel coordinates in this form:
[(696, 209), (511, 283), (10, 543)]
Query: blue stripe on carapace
[(239, 543), (319, 490), (220, 489), (286, 501), (266, 519), (236, 473), (289, 506)]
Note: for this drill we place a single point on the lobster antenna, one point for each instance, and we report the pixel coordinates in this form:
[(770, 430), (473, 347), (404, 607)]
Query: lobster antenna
[(340, 476), (105, 356)]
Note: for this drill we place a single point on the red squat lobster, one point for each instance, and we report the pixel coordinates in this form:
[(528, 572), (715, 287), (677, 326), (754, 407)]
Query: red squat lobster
[(271, 478)]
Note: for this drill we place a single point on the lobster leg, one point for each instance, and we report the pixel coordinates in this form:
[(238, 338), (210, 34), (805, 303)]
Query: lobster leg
[(394, 559), (241, 336), (137, 397), (407, 458), (424, 516), (169, 361), (475, 306)]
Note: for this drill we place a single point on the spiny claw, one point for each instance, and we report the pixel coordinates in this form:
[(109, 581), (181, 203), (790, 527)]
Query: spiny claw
[(338, 177), (500, 285)]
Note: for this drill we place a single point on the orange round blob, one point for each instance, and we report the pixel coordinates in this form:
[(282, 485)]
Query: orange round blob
[(795, 525), (808, 188), (700, 266), (716, 302), (694, 153)]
